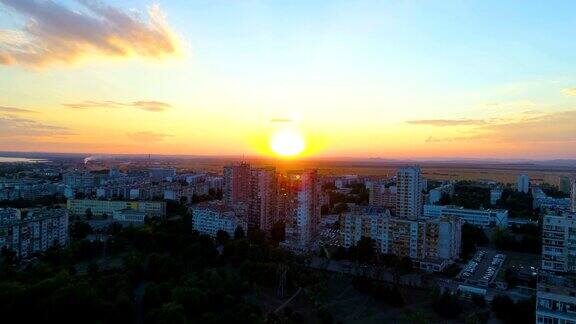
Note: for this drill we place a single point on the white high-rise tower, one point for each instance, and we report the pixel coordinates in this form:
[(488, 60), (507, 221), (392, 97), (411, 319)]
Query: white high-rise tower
[(523, 183), (409, 193)]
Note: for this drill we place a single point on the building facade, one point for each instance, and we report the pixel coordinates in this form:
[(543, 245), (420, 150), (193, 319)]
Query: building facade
[(556, 290), (556, 299), (161, 174), (263, 209), (129, 216), (365, 223), (495, 195), (432, 244), (237, 184), (213, 216), (380, 195), (523, 183), (302, 210), (409, 200), (35, 232), (559, 243), (573, 197), (108, 207), (436, 194)]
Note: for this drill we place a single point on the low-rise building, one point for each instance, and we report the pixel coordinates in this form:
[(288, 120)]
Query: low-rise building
[(213, 216), (436, 194), (547, 203), (479, 217), (108, 207), (495, 195), (129, 216)]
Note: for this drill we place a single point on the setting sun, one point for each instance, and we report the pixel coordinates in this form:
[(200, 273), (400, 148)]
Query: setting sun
[(287, 143)]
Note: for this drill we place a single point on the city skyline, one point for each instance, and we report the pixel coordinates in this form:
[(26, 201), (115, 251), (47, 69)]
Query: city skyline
[(396, 80)]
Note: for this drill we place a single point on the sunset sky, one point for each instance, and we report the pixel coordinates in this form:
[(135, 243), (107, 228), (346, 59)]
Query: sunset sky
[(390, 79)]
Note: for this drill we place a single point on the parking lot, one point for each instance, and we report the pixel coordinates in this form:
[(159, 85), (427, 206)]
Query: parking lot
[(482, 268)]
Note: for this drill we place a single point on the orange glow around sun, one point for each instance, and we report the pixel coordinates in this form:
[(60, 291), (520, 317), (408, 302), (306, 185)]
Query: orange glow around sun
[(287, 142)]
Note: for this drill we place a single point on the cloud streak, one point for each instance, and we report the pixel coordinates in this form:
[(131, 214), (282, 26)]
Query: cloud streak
[(281, 120), (12, 126), (569, 91), (447, 122), (550, 128), (148, 136), (14, 110), (55, 33), (153, 106)]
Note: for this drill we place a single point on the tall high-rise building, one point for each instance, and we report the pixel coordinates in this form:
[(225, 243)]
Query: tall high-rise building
[(409, 193), (302, 204), (237, 184), (523, 183), (556, 292), (263, 209)]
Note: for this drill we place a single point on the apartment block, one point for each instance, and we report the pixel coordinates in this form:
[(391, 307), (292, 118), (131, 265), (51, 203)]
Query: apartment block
[(436, 194), (523, 183), (366, 222), (495, 195), (573, 197), (263, 207), (237, 184), (380, 195), (34, 232), (210, 217), (302, 209), (161, 174), (556, 290), (432, 244), (409, 200), (559, 243), (556, 299)]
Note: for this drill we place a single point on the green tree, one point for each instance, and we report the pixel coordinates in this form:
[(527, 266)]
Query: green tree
[(222, 237), (447, 305), (89, 214), (239, 233)]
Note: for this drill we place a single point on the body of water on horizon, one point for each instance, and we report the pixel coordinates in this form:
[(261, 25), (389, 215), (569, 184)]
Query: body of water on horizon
[(19, 160)]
